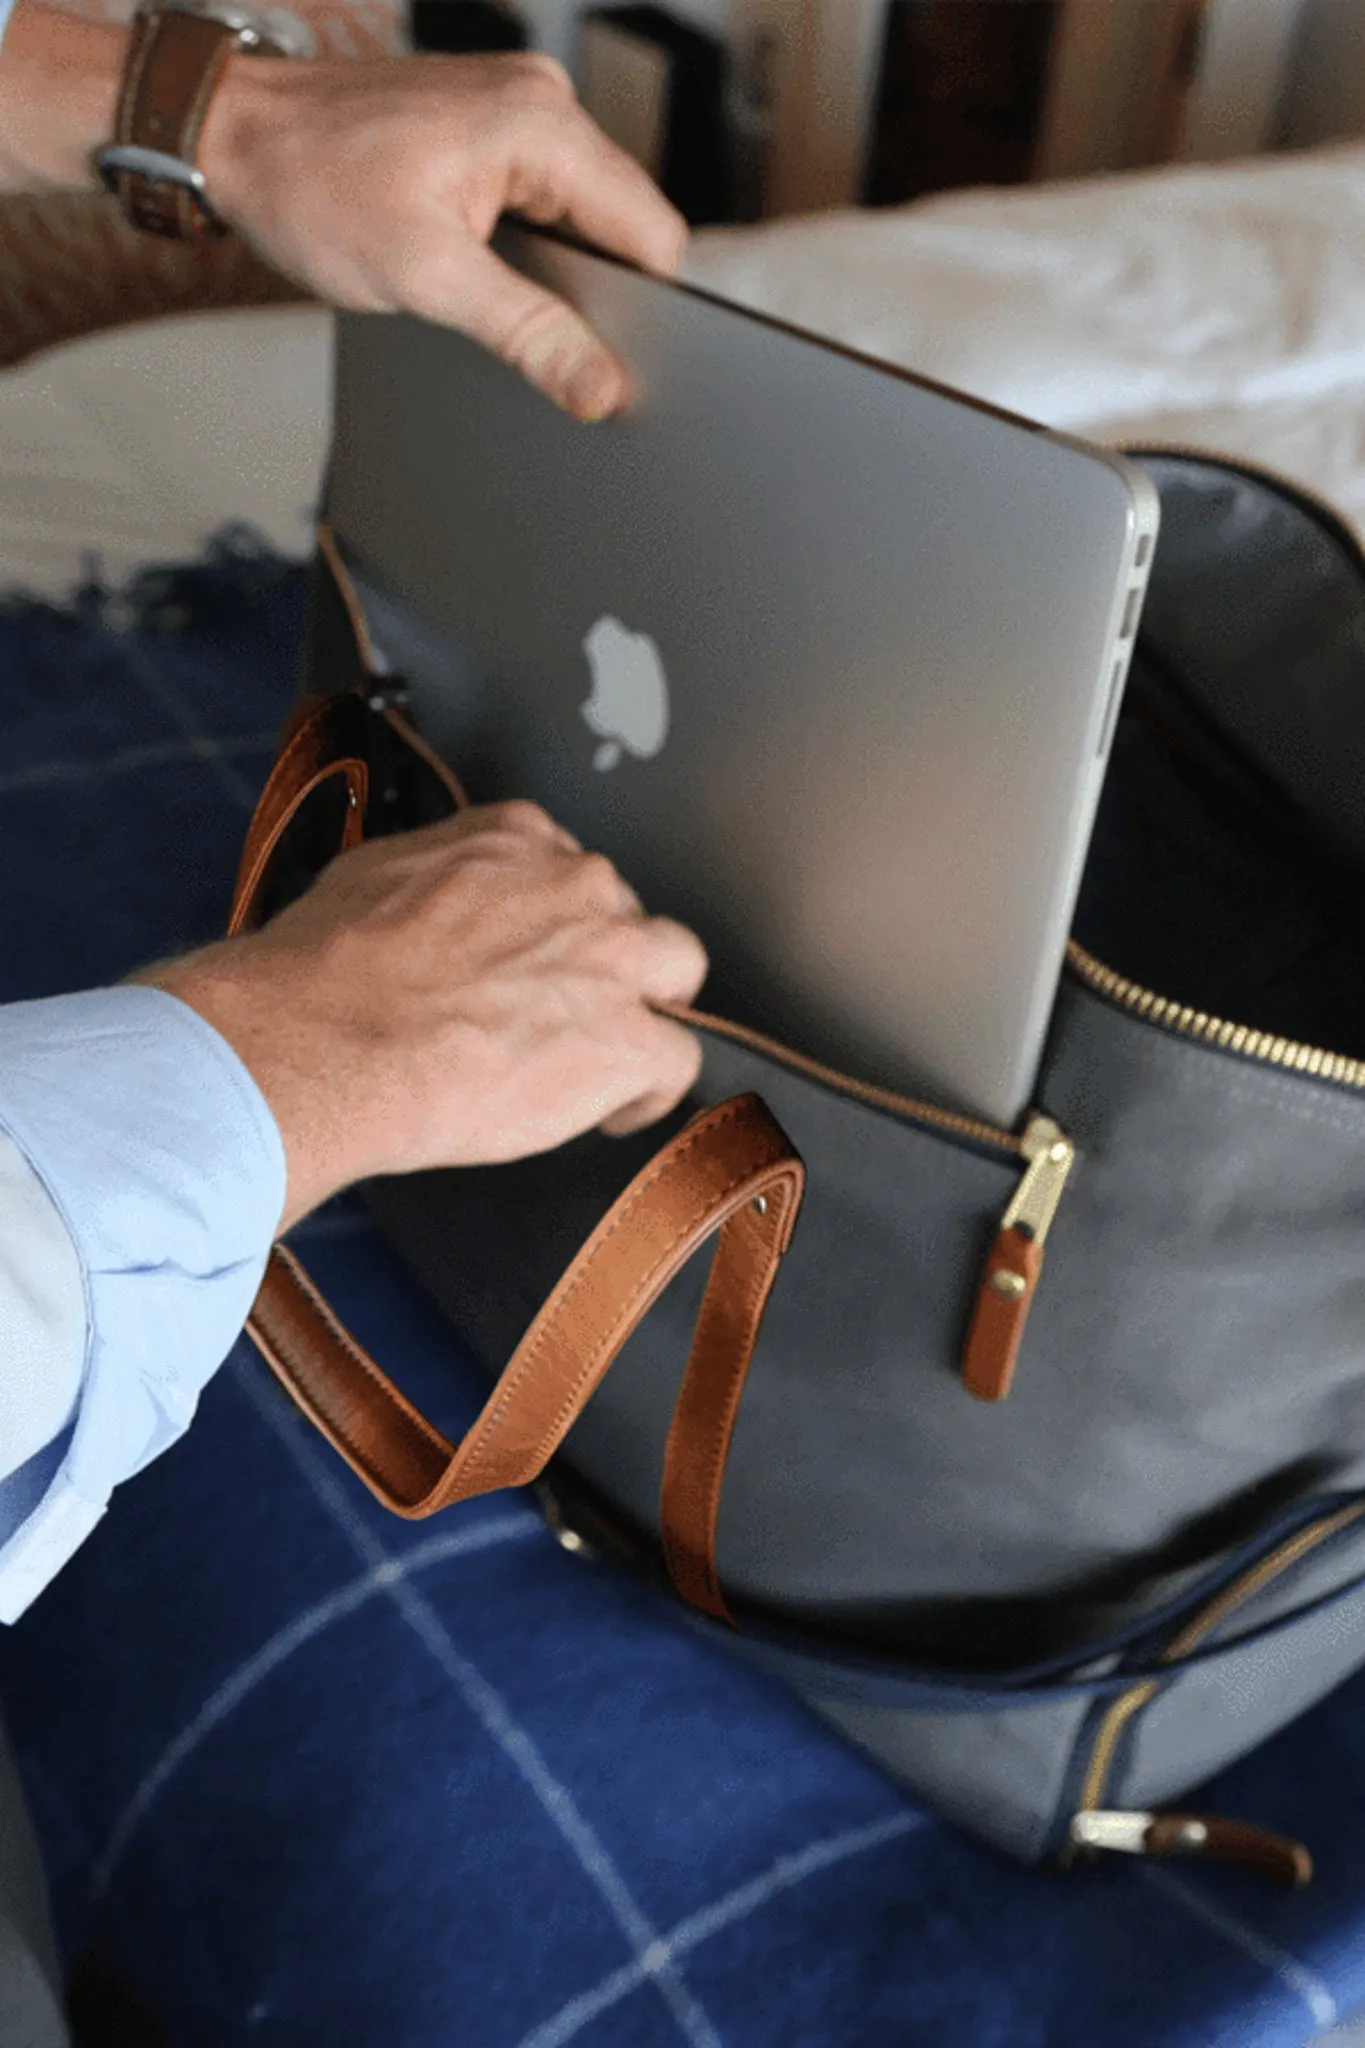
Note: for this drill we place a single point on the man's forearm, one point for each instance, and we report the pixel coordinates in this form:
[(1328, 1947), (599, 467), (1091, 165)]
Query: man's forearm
[(59, 80)]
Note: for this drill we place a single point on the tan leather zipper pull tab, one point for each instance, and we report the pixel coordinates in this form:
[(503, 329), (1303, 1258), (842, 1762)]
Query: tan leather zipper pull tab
[(1195, 1834), (1015, 1264), (1231, 1841)]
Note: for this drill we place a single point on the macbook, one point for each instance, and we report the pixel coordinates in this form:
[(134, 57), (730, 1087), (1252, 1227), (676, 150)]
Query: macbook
[(825, 657)]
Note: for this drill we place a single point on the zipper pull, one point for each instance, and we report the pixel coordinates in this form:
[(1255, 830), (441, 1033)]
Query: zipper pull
[(1015, 1264), (1192, 1834)]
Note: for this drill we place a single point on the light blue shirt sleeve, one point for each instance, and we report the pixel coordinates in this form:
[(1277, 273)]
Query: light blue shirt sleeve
[(152, 1144), (6, 9)]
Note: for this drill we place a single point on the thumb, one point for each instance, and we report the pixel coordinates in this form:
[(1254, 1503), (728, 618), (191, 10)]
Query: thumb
[(540, 336)]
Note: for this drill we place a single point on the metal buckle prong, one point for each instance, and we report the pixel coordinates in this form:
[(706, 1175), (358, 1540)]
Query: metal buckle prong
[(154, 164)]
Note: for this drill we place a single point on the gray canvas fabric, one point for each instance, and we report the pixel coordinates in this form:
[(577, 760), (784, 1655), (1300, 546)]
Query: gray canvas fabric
[(864, 1484)]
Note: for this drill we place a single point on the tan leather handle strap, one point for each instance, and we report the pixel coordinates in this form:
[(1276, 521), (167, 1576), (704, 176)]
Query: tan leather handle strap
[(727, 1330), (731, 1174), (731, 1171), (325, 738)]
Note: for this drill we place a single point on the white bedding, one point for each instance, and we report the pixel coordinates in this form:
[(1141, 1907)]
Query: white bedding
[(1222, 307)]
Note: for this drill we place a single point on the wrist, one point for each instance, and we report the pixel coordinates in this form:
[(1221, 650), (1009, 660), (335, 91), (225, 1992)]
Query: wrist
[(247, 123), (286, 1050), (59, 86)]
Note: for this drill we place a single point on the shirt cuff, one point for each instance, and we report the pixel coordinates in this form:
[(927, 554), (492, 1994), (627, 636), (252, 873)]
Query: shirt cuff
[(166, 1165)]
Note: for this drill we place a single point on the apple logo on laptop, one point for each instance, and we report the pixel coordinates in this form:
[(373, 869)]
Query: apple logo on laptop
[(628, 708)]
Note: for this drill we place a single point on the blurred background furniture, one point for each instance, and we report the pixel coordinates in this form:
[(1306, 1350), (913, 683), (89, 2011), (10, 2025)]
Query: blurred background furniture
[(1221, 306), (761, 108)]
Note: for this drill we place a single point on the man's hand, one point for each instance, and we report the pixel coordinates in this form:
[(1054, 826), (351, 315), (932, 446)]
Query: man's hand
[(379, 183), (476, 991), (375, 182)]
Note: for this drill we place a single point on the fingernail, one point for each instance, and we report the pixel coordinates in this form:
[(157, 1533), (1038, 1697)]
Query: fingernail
[(595, 392)]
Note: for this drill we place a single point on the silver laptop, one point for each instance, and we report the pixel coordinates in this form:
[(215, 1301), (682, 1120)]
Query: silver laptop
[(824, 657)]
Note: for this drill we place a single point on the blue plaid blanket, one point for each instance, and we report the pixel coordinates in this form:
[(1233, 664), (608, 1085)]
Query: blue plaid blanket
[(307, 1775)]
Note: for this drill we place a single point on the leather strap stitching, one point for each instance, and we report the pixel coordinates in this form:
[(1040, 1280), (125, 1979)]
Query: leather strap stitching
[(717, 1445), (552, 1434), (317, 1302), (593, 1254)]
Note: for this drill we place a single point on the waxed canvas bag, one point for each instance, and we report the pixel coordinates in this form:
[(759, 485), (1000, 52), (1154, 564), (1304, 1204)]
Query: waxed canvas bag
[(1047, 1483)]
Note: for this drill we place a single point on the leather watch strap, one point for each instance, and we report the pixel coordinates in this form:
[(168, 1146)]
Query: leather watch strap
[(731, 1174), (175, 62)]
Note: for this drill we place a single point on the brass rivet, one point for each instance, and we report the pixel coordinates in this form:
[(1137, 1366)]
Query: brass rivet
[(1009, 1284), (761, 1204), (1059, 1152)]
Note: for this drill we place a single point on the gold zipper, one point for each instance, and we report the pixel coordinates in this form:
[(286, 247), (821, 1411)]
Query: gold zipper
[(1092, 1825), (1051, 1157), (1257, 1576), (948, 1120), (1015, 1262), (1262, 1046), (1047, 1152)]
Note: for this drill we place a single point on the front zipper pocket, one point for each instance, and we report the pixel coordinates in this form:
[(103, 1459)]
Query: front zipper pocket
[(1014, 1263), (1106, 1749)]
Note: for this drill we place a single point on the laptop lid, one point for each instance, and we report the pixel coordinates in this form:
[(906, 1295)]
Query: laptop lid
[(824, 657)]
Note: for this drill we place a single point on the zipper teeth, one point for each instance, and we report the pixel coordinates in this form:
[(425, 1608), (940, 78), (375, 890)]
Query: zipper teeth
[(1259, 1575), (1262, 1046), (1232, 1597), (1106, 1741), (862, 1091)]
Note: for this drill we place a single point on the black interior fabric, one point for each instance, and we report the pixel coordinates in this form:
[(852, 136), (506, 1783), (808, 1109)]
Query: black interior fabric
[(1207, 883)]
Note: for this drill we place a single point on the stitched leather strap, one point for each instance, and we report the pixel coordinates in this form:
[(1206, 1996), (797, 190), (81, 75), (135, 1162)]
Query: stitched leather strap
[(731, 1174), (325, 740), (174, 64)]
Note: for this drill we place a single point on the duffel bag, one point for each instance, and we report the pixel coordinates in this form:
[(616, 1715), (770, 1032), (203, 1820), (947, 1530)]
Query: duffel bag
[(1047, 1482)]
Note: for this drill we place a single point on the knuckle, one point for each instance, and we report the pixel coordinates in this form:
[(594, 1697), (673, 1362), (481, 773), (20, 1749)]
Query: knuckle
[(546, 73), (685, 948), (598, 877), (618, 950), (521, 814), (413, 174), (543, 338)]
